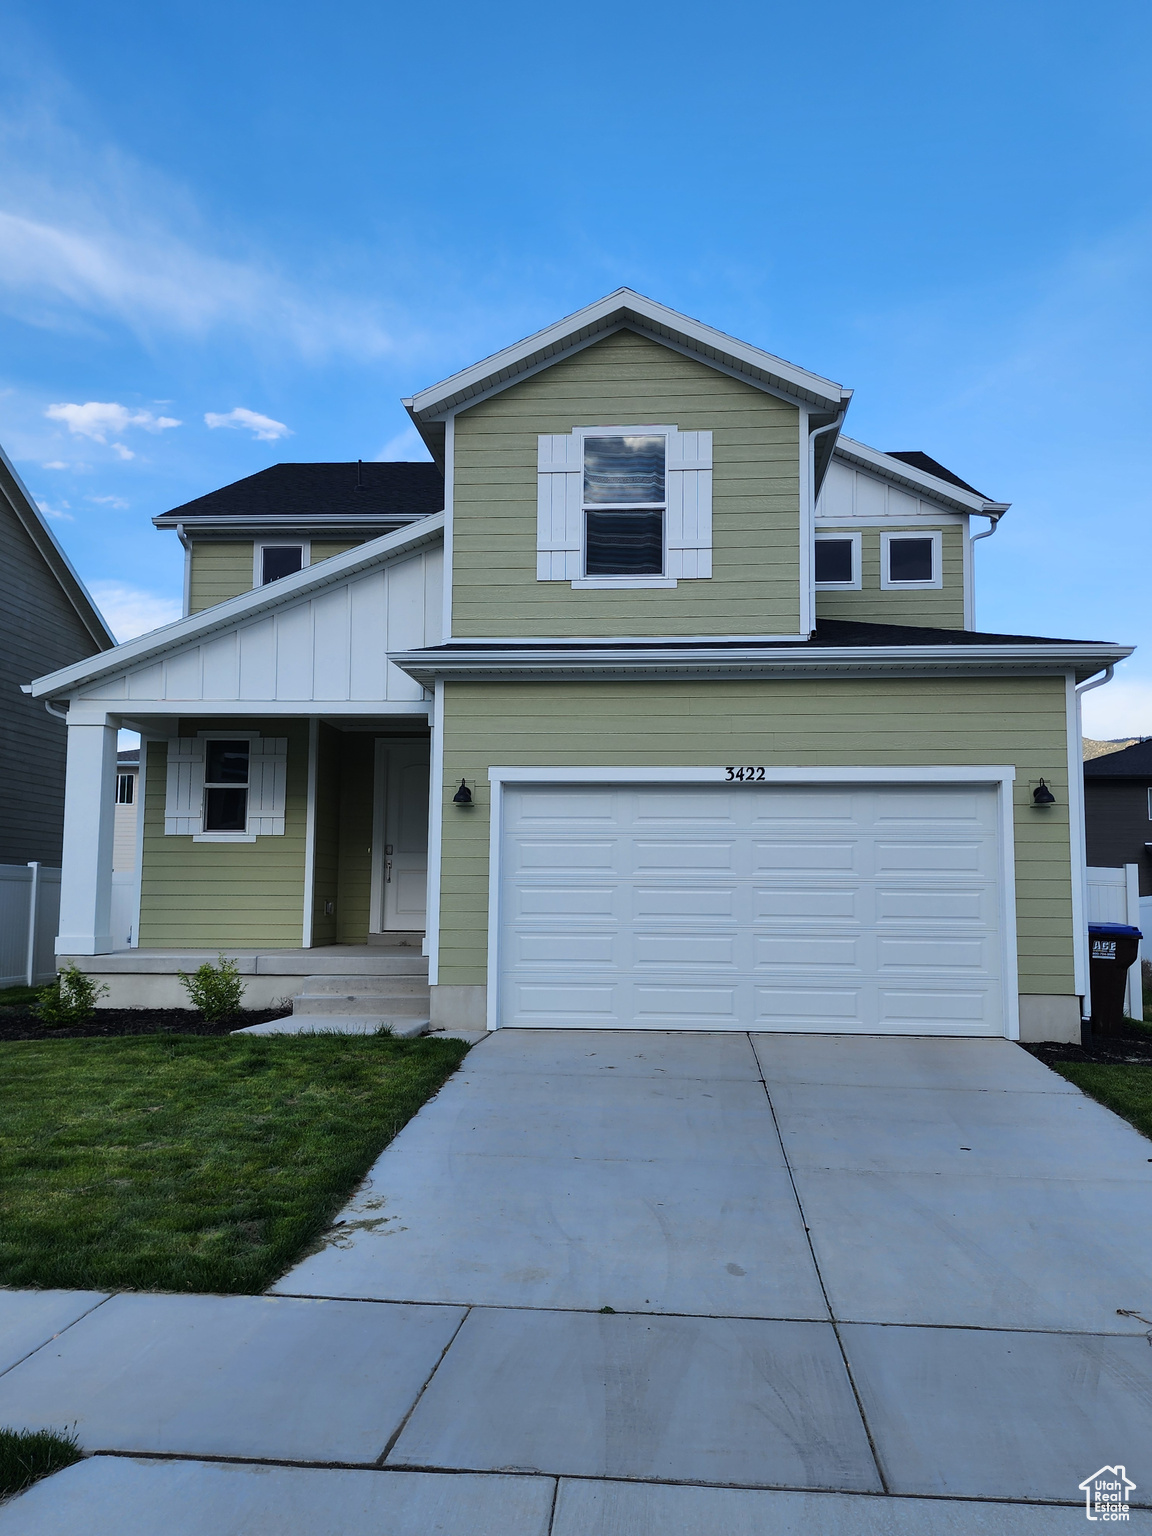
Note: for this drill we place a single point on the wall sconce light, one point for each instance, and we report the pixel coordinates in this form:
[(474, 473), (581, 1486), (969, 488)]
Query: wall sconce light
[(463, 795), (1042, 795)]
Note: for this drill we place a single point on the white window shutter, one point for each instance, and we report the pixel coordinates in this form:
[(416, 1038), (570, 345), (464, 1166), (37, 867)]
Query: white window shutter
[(184, 792), (267, 785), (559, 506), (688, 488)]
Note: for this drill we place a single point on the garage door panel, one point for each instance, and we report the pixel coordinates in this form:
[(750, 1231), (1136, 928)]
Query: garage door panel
[(752, 906)]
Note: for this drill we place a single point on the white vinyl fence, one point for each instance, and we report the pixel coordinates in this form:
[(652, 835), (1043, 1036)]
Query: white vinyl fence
[(1114, 897), (29, 918)]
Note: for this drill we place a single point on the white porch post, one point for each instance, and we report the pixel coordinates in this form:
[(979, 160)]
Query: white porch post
[(89, 824)]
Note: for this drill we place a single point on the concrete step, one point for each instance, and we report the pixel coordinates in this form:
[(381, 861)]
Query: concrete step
[(315, 1024), (406, 1005), (400, 979), (397, 940)]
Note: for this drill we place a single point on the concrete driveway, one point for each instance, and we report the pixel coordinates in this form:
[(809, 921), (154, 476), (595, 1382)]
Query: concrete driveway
[(617, 1283)]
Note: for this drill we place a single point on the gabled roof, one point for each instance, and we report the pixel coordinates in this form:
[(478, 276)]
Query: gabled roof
[(355, 492), (221, 616), (16, 494), (1134, 762), (919, 474), (623, 309)]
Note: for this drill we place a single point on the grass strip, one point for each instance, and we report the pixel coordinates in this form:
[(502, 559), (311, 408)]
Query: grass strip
[(1124, 1088), (29, 1454), (192, 1163)]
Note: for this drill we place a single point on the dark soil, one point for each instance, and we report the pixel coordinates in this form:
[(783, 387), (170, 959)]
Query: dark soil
[(21, 1023), (1133, 1044)]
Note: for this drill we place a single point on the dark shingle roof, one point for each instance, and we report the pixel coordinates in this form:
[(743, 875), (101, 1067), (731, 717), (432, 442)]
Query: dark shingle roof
[(929, 465), (1133, 762), (308, 490)]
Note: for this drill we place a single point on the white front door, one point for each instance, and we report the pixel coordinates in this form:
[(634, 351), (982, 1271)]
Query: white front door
[(402, 768), (839, 909)]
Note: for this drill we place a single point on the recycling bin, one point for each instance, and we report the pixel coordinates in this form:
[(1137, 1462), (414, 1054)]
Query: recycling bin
[(1112, 949)]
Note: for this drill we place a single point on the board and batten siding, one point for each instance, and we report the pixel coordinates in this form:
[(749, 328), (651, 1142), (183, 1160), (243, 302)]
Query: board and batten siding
[(827, 722), (937, 607), (330, 646), (627, 379), (225, 895), (220, 569)]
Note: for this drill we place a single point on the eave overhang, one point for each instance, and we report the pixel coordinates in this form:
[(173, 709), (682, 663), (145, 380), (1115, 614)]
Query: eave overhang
[(916, 481), (252, 605), (357, 522), (624, 309), (637, 662)]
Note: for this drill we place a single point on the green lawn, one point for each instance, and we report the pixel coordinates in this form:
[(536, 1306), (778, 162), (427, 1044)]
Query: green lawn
[(26, 1455), (192, 1163), (1125, 1088)]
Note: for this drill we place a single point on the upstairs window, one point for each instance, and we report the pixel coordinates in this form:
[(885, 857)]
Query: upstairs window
[(624, 506), (277, 560), (910, 560), (226, 786), (837, 562)]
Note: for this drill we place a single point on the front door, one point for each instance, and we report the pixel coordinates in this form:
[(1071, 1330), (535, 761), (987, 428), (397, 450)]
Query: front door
[(402, 768)]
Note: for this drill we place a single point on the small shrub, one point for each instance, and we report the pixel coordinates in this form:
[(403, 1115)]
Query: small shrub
[(71, 998), (26, 1455), (216, 990)]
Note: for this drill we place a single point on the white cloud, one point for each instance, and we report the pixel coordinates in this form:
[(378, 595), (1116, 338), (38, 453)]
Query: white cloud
[(122, 452), (109, 501), (56, 513), (97, 418), (262, 427), (55, 464), (132, 611), (1122, 707)]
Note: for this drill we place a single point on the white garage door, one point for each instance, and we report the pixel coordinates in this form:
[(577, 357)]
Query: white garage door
[(749, 906)]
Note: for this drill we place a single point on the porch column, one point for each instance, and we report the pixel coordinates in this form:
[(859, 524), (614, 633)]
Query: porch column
[(89, 824)]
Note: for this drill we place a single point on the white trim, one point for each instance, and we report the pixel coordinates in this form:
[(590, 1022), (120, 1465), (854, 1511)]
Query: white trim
[(223, 616), (187, 597), (603, 583), (1077, 846), (623, 308), (934, 774), (143, 709), (449, 504), (934, 517), (601, 640), (806, 461), (141, 793), (937, 538), (841, 536), (379, 834), (310, 834), (859, 455), (1001, 777), (223, 837), (431, 944), (303, 544)]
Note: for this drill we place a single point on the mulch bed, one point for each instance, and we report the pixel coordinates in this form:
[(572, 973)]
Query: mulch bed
[(1133, 1044), (20, 1023)]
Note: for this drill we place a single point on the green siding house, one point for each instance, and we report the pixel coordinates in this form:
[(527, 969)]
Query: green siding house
[(653, 702)]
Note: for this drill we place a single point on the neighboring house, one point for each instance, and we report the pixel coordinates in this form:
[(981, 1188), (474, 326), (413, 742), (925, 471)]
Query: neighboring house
[(127, 810), (1118, 819), (662, 708), (46, 618)]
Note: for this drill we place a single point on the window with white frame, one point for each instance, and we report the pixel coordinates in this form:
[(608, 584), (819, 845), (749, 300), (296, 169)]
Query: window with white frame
[(624, 506), (226, 788), (837, 562), (910, 560), (277, 559), (125, 788)]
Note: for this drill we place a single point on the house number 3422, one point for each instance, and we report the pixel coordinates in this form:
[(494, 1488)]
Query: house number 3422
[(745, 775)]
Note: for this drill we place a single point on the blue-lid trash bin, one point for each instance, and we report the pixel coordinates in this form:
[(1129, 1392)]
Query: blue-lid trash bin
[(1112, 948)]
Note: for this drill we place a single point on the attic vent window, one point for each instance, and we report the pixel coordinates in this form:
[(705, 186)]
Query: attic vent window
[(624, 506)]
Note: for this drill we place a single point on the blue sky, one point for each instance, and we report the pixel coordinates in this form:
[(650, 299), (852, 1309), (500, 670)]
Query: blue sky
[(300, 213)]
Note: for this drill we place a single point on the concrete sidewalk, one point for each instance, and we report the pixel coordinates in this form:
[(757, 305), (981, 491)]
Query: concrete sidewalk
[(615, 1284)]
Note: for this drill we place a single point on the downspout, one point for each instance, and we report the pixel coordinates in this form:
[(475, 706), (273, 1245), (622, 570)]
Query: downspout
[(832, 426), (993, 524), (187, 547), (1082, 688)]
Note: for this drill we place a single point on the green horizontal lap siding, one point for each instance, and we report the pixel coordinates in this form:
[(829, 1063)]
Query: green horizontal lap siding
[(626, 379), (226, 895), (219, 571), (324, 550), (818, 723), (940, 607)]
